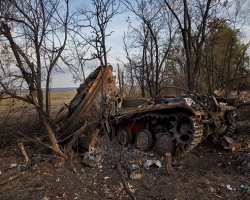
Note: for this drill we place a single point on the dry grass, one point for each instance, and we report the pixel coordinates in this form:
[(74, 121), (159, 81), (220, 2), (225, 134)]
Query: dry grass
[(10, 104), (57, 99), (62, 97)]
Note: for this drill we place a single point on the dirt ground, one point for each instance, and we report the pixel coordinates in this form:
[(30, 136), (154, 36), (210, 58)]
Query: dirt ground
[(207, 172)]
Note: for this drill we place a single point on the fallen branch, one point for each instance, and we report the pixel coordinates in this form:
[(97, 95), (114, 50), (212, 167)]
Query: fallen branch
[(169, 163), (37, 140), (11, 178), (45, 155), (109, 143), (124, 182), (69, 148), (20, 145)]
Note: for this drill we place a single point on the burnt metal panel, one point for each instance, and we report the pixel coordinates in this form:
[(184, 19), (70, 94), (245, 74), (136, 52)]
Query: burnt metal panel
[(94, 105)]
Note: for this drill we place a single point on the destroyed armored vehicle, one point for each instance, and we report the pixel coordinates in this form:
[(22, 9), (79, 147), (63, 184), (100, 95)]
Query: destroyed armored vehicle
[(168, 123)]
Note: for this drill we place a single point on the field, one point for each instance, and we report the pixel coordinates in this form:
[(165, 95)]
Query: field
[(207, 172), (57, 100)]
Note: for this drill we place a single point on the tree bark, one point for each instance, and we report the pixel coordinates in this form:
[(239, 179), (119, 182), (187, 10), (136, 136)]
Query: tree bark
[(25, 155), (169, 163)]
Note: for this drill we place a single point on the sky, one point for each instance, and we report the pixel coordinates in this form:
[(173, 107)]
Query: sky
[(118, 25)]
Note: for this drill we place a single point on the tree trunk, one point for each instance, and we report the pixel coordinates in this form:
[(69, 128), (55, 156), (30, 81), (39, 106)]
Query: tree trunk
[(51, 134)]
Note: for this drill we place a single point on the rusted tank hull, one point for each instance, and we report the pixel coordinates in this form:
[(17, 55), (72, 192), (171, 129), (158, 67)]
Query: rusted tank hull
[(171, 124)]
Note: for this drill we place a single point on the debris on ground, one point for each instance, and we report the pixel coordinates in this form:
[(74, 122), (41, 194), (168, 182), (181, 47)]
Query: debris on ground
[(226, 142), (14, 165), (243, 162), (152, 162), (245, 187), (229, 187), (93, 157)]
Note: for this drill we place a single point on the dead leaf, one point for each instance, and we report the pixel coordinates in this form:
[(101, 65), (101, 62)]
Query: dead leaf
[(40, 188)]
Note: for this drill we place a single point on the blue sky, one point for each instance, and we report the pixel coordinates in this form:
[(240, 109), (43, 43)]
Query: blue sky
[(118, 25)]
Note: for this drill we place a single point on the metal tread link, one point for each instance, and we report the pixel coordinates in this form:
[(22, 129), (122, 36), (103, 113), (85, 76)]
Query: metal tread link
[(198, 135), (197, 126), (230, 129)]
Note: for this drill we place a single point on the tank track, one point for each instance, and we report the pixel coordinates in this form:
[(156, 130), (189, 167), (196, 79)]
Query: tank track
[(186, 136), (230, 129), (195, 140)]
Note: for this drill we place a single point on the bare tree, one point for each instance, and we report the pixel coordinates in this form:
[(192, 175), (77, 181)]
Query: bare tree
[(153, 37), (190, 22), (92, 21), (129, 91), (35, 33)]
